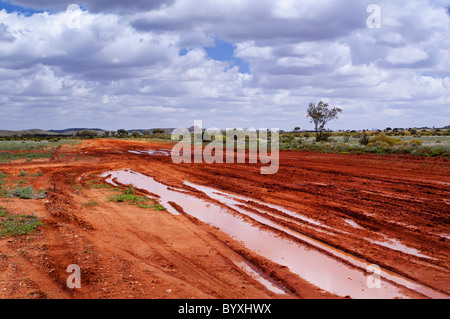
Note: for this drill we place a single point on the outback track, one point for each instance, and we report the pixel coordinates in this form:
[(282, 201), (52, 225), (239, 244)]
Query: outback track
[(129, 252)]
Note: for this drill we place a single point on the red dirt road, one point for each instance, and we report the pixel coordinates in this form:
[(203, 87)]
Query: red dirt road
[(361, 204)]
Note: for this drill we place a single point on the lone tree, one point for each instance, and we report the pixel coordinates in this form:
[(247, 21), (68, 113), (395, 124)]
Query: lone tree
[(320, 115)]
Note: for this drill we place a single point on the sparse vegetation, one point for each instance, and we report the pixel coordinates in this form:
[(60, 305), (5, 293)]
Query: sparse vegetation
[(127, 198), (90, 203), (157, 207), (16, 225), (28, 192), (128, 195), (95, 184), (415, 142), (22, 173), (6, 157), (382, 140), (388, 141)]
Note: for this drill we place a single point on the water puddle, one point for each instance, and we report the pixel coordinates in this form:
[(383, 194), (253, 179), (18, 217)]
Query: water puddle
[(253, 273), (162, 152), (322, 265), (353, 224), (444, 235), (397, 245), (392, 243)]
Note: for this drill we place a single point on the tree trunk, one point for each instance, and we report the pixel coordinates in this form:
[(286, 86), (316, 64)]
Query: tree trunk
[(317, 133)]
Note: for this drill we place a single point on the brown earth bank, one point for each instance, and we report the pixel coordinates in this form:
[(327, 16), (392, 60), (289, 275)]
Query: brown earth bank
[(127, 251)]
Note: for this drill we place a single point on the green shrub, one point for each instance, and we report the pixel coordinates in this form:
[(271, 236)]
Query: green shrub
[(363, 139), (381, 144), (24, 193), (437, 152), (28, 193), (383, 138), (415, 142)]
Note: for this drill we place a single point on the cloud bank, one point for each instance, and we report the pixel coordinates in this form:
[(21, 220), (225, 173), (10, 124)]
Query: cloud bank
[(112, 64)]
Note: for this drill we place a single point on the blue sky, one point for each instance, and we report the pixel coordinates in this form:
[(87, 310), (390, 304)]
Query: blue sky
[(224, 51), (9, 7), (116, 64)]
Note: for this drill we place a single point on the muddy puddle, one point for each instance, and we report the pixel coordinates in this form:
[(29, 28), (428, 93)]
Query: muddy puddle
[(161, 152), (397, 245), (322, 265)]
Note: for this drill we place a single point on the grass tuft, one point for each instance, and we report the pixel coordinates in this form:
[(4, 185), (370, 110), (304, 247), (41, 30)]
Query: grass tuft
[(16, 225)]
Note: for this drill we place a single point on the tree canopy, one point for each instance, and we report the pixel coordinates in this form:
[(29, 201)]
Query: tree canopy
[(320, 115)]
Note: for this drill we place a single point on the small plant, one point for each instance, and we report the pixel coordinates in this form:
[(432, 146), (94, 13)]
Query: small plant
[(130, 190), (90, 203), (37, 174), (42, 194), (22, 173), (24, 193)]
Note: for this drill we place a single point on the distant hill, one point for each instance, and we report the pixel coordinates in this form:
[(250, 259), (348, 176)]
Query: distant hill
[(67, 131), (70, 130), (167, 130), (7, 133)]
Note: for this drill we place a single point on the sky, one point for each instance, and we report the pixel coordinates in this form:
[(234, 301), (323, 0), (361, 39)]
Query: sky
[(142, 64)]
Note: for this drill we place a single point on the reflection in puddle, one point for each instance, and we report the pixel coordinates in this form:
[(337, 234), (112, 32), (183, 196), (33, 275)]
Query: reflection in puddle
[(162, 152), (313, 265), (353, 224), (257, 276), (397, 245)]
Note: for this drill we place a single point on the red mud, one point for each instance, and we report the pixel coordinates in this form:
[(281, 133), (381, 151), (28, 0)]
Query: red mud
[(359, 204)]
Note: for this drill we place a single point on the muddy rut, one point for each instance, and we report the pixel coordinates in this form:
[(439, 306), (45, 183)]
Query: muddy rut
[(316, 229)]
